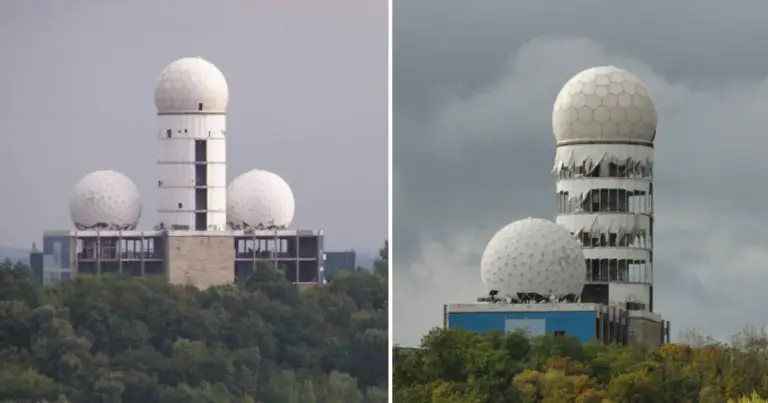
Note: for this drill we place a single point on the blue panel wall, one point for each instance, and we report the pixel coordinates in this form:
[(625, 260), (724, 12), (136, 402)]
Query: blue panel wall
[(580, 324)]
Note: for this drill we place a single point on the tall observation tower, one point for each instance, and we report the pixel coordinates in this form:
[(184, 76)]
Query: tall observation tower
[(604, 122), (191, 99)]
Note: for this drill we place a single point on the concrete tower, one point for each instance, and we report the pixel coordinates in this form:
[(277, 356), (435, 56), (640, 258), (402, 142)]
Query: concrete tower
[(191, 99), (604, 122)]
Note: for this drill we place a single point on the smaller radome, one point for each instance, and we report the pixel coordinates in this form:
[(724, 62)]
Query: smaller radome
[(604, 104), (533, 256), (105, 200), (191, 85), (259, 199)]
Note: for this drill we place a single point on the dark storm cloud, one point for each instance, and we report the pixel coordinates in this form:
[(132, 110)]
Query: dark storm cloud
[(308, 100), (473, 92)]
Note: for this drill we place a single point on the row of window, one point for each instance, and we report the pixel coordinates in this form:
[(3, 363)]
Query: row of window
[(631, 169), (169, 132), (637, 238), (619, 270), (605, 201)]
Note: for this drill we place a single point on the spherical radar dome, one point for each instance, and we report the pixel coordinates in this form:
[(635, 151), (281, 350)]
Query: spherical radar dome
[(604, 103), (191, 84), (105, 199), (533, 256), (260, 198)]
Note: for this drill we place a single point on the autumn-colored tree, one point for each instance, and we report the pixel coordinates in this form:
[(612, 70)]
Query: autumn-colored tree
[(752, 398), (458, 365)]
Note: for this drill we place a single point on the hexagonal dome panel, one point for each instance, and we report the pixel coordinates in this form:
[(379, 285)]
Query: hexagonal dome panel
[(191, 85), (604, 103), (106, 200), (260, 199), (533, 256)]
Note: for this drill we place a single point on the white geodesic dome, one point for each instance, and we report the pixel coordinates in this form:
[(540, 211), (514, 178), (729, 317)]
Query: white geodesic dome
[(533, 256), (260, 199), (191, 85), (106, 200), (604, 103)]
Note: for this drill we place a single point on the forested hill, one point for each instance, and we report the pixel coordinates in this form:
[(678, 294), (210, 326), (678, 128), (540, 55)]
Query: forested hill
[(118, 339), (455, 366)]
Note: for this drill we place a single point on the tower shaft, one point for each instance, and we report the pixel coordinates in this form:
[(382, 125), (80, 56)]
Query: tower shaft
[(605, 199), (192, 171)]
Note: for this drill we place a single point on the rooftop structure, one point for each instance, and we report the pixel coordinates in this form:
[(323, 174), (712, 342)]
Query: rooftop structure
[(186, 257), (590, 274), (208, 233)]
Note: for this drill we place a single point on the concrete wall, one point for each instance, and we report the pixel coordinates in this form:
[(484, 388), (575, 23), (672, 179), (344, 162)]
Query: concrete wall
[(645, 332), (580, 324), (202, 260)]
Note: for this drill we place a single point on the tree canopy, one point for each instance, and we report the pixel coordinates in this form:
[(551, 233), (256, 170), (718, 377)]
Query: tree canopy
[(121, 339), (457, 366)]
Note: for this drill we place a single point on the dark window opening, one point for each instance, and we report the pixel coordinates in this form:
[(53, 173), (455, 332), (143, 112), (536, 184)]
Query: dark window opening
[(201, 221), (168, 133), (181, 205), (185, 130), (201, 152), (201, 175), (200, 106), (308, 272), (201, 199), (595, 293), (559, 333), (290, 270)]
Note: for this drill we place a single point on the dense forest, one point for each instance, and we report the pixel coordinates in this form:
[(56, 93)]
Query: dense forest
[(456, 366), (120, 339)]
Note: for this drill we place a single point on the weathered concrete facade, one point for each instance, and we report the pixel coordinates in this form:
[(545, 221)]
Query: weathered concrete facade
[(202, 260)]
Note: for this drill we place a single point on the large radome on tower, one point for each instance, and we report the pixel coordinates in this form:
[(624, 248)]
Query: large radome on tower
[(533, 256), (191, 84), (604, 104), (260, 199), (105, 200)]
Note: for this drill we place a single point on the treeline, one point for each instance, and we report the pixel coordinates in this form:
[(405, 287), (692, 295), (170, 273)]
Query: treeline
[(456, 366), (119, 339)]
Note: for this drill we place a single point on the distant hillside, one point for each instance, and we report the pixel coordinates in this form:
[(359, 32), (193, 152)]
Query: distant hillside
[(15, 254)]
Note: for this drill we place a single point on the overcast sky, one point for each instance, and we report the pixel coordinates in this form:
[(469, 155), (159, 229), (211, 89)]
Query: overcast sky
[(308, 101), (474, 84)]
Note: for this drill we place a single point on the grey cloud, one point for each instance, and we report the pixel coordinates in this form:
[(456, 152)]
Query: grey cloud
[(308, 101), (483, 159)]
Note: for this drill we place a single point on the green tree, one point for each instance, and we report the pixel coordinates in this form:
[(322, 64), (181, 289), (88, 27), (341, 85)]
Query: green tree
[(118, 339)]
